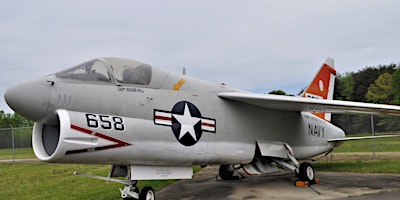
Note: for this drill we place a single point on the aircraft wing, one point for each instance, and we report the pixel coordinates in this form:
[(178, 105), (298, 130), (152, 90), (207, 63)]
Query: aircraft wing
[(298, 104)]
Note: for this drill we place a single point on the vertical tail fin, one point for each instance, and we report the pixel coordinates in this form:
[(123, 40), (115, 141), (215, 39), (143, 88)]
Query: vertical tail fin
[(322, 86)]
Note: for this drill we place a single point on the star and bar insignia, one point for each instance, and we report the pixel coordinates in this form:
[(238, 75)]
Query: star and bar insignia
[(186, 122)]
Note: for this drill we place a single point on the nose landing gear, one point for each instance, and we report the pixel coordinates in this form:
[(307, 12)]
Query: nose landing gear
[(130, 191)]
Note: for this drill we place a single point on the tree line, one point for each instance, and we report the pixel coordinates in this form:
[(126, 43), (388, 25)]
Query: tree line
[(9, 120), (379, 84), (11, 131)]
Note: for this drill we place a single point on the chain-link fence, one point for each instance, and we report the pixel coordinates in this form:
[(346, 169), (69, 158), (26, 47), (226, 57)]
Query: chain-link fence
[(14, 142)]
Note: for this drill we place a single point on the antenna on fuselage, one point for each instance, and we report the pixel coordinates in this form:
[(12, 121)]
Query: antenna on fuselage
[(184, 70)]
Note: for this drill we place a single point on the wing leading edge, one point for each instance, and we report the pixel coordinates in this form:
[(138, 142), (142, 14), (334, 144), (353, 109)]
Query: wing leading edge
[(299, 104)]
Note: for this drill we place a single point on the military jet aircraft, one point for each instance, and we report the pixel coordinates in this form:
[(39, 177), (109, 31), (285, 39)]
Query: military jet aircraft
[(149, 123)]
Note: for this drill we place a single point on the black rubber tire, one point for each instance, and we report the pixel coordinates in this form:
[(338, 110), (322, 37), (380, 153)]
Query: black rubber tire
[(226, 172), (147, 193), (306, 172)]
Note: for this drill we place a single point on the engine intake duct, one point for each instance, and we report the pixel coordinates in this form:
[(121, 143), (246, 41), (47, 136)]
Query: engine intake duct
[(50, 138)]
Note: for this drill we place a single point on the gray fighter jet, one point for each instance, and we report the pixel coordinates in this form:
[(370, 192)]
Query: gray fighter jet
[(149, 123)]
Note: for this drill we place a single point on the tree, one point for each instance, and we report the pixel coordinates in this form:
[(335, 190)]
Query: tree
[(278, 92), (364, 78), (396, 86), (344, 87), (354, 87), (381, 91), (15, 120), (22, 137)]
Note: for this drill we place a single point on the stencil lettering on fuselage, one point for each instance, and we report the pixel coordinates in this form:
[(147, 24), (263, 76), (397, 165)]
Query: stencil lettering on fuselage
[(316, 130), (186, 122)]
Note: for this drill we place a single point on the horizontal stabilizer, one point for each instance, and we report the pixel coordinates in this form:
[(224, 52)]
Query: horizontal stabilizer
[(360, 138)]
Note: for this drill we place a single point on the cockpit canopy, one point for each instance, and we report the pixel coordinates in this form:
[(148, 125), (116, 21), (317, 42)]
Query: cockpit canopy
[(121, 71), (136, 73)]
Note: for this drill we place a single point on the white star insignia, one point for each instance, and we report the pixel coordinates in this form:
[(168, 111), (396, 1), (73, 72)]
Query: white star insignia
[(187, 123)]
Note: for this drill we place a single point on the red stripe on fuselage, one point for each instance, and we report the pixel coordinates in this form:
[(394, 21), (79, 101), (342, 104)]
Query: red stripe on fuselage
[(120, 143), (208, 124), (163, 118)]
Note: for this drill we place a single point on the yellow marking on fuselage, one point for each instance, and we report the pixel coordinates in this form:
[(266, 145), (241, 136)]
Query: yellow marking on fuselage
[(179, 84)]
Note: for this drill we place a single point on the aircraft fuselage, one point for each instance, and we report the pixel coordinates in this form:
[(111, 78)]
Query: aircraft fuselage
[(172, 120)]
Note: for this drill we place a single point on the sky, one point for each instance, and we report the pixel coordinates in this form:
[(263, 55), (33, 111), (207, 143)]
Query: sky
[(254, 45)]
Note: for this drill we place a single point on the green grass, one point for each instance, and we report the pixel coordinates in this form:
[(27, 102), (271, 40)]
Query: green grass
[(371, 166), (365, 166), (20, 153), (381, 145), (54, 181), (38, 180)]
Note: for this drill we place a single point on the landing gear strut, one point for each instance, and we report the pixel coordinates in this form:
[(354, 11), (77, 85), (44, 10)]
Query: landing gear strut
[(130, 191), (304, 171), (226, 172)]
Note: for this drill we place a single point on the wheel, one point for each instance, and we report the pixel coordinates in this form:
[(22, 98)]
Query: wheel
[(147, 194), (226, 172), (306, 172)]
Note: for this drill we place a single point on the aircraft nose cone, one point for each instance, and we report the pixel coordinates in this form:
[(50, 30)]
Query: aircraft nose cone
[(29, 99)]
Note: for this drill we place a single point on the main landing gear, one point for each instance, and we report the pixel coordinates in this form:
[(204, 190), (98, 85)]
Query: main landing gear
[(306, 173), (264, 165), (130, 191)]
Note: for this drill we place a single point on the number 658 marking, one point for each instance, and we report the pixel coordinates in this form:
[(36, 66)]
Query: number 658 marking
[(105, 122)]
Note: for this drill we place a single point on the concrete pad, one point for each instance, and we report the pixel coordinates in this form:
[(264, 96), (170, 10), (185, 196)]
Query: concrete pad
[(204, 185)]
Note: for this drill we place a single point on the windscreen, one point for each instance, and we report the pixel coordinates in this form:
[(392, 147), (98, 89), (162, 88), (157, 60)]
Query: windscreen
[(91, 71)]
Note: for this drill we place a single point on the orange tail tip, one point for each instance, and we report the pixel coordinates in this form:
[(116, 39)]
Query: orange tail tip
[(322, 86)]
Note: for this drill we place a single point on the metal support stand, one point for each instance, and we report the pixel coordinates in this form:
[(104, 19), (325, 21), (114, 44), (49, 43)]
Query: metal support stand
[(373, 140)]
